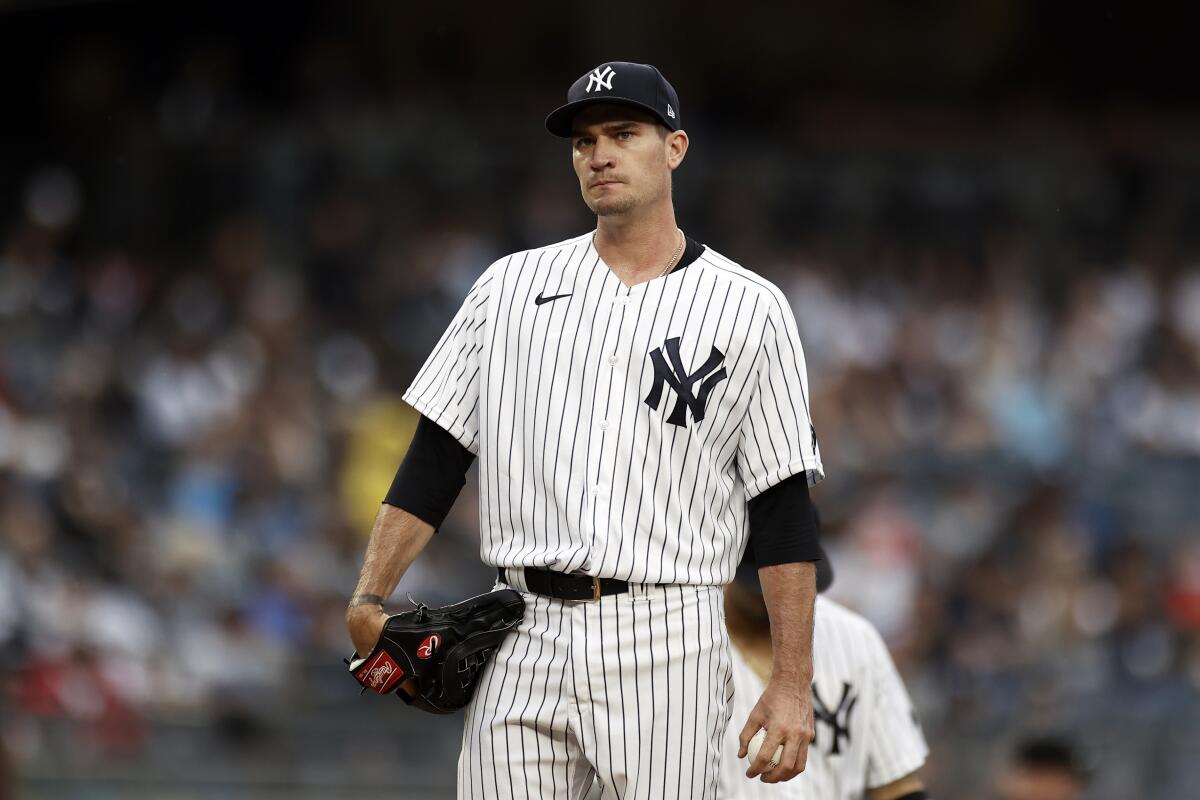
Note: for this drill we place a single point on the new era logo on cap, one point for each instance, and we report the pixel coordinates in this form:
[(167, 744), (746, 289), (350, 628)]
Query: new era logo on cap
[(640, 86)]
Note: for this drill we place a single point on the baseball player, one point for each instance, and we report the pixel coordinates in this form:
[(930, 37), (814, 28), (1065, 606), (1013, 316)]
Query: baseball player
[(638, 404), (1043, 767), (868, 742)]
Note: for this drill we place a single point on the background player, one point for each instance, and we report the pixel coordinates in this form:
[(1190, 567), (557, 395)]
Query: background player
[(1042, 768), (639, 406), (868, 742)]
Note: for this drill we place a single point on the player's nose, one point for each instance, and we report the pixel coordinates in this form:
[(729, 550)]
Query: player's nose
[(603, 154)]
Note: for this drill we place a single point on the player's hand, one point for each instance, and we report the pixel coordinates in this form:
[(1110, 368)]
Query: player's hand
[(785, 712), (365, 623)]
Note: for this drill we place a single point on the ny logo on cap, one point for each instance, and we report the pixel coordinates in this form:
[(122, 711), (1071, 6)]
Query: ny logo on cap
[(598, 79)]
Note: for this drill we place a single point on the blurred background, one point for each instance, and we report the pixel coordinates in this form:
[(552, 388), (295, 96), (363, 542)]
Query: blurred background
[(229, 235)]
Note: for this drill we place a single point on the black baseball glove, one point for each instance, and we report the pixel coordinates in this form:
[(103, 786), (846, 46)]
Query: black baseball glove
[(435, 654)]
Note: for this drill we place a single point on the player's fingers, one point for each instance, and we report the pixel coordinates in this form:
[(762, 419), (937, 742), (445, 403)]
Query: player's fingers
[(753, 723), (787, 768), (748, 731), (802, 745), (766, 753), (410, 688)]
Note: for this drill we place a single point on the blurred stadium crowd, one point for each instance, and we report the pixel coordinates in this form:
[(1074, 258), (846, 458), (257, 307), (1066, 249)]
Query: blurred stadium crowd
[(207, 319)]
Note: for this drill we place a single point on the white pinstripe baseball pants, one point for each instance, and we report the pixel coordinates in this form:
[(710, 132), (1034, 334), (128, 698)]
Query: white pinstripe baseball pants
[(632, 690)]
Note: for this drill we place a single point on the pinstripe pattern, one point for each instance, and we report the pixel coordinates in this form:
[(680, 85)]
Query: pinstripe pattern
[(631, 692), (578, 472), (883, 743)]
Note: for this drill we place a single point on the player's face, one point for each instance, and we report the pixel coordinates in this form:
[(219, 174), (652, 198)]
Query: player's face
[(623, 158)]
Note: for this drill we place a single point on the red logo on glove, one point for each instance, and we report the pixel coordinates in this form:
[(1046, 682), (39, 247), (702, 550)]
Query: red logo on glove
[(428, 647), (381, 674)]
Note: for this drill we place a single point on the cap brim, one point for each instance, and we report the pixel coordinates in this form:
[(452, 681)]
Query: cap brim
[(824, 572), (559, 121)]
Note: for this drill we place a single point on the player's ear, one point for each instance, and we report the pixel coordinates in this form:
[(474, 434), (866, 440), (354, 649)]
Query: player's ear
[(677, 145)]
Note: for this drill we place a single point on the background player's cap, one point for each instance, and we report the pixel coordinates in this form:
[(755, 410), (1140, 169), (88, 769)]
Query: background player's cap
[(621, 82), (747, 573)]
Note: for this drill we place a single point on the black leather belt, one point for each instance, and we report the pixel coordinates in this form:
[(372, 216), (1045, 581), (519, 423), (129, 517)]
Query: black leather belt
[(568, 587)]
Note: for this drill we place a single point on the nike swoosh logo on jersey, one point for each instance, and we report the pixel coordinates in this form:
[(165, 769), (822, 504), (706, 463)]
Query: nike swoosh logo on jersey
[(537, 301)]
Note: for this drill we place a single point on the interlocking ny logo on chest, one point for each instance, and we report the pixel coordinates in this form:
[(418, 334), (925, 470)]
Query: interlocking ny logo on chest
[(670, 372)]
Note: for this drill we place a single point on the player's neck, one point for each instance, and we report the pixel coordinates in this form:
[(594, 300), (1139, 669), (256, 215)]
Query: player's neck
[(636, 247)]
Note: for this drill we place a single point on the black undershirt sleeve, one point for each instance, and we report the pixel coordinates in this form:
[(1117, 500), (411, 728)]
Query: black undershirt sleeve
[(431, 475), (783, 527)]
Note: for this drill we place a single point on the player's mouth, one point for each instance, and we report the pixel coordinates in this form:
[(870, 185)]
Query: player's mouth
[(604, 183)]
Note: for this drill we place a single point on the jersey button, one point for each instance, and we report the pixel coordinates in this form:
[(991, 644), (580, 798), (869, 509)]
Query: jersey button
[(612, 360), (603, 425)]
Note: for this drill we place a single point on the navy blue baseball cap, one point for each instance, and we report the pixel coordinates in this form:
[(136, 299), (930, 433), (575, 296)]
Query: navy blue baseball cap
[(641, 86)]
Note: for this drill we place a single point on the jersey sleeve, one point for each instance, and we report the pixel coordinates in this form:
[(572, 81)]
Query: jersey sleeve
[(895, 744), (447, 388), (778, 439)]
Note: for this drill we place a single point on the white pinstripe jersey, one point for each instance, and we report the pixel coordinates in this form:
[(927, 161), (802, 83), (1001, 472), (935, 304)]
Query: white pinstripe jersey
[(867, 731), (621, 430)]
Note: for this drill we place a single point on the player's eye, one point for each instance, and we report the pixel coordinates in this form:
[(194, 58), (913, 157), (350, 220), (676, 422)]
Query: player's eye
[(625, 136), (582, 142)]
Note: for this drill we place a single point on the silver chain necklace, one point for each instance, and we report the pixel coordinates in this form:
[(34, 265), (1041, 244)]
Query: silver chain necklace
[(674, 258)]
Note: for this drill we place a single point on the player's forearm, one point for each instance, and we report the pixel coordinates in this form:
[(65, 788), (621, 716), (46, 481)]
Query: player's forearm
[(789, 591), (396, 540)]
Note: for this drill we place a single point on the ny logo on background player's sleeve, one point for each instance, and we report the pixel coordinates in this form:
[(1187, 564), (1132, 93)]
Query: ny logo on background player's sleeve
[(681, 381), (837, 719)]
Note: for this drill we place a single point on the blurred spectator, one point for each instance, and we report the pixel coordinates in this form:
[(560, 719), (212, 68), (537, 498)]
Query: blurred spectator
[(234, 671), (77, 687)]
